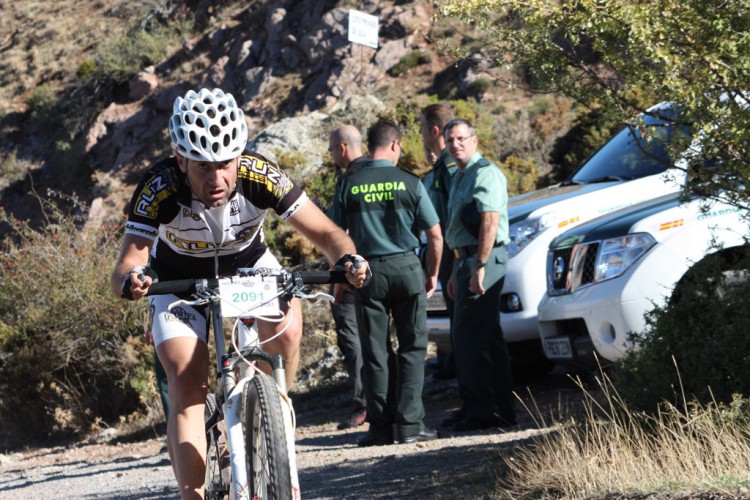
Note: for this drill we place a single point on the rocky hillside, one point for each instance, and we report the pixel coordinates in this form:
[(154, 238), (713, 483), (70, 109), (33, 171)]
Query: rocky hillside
[(289, 63)]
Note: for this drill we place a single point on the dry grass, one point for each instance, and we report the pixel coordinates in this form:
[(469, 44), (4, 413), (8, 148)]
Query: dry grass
[(49, 39), (612, 450)]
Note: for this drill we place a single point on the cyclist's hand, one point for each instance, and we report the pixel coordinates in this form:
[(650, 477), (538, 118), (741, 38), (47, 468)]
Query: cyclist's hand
[(136, 283), (357, 269)]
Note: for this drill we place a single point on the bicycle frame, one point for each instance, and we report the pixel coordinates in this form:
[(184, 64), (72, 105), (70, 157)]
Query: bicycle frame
[(258, 415), (230, 391)]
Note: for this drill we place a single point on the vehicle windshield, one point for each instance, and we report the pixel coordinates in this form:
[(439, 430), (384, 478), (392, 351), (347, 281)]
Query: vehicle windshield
[(631, 154)]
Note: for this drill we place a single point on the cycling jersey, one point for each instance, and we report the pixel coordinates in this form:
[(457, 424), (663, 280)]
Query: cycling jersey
[(192, 241)]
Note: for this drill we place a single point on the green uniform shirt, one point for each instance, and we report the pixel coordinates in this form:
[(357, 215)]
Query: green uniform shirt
[(438, 184), (487, 186), (384, 208), (354, 166)]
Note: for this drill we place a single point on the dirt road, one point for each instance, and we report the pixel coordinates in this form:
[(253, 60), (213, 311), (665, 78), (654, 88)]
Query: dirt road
[(331, 464)]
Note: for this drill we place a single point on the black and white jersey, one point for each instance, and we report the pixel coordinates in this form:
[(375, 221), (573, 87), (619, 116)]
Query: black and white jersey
[(192, 241)]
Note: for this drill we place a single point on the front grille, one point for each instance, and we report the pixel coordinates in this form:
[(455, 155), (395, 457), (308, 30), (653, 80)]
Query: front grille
[(584, 265), (571, 268), (558, 268)]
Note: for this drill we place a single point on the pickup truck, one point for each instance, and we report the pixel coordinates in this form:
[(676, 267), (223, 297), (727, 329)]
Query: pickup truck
[(631, 167), (605, 275)]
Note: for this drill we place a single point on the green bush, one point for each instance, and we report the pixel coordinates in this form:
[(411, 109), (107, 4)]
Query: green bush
[(479, 87), (122, 57), (13, 168), (411, 60), (522, 175), (73, 355), (42, 99), (697, 345), (321, 186), (86, 69)]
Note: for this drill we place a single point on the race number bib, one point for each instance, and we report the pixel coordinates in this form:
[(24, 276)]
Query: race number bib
[(249, 296)]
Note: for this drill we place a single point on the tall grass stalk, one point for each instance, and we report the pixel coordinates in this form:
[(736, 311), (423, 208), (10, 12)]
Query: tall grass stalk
[(611, 449)]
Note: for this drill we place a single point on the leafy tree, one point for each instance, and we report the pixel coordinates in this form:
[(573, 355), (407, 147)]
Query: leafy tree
[(597, 53)]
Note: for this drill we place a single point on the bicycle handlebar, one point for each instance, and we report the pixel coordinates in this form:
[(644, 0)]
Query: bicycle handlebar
[(176, 287), (189, 286)]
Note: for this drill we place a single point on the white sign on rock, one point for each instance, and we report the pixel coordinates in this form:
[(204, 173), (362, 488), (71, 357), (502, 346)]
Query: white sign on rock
[(363, 28)]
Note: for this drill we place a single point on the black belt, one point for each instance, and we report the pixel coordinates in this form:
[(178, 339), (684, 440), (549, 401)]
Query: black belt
[(469, 250)]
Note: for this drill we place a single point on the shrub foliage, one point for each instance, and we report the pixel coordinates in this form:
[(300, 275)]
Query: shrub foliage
[(697, 346), (71, 354)]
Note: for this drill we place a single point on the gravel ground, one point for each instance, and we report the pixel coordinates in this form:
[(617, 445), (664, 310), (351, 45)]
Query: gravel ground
[(331, 465)]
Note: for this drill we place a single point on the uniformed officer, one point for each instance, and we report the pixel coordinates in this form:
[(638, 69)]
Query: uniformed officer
[(477, 233), (384, 208), (345, 146), (432, 120)]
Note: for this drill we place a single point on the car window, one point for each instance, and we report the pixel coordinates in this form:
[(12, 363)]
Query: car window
[(630, 154)]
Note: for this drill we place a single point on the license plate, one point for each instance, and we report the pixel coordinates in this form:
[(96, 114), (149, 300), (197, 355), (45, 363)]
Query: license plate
[(436, 302), (558, 348)]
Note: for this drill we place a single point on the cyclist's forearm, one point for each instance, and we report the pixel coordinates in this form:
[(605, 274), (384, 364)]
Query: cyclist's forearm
[(135, 252), (337, 244)]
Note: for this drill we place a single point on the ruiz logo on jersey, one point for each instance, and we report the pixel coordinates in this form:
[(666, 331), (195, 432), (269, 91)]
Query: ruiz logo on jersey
[(234, 207), (145, 205)]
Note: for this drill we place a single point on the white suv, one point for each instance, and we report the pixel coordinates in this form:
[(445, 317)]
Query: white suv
[(631, 167), (604, 276)]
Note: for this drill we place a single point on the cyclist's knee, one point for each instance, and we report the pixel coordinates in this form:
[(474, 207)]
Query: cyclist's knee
[(187, 389), (291, 328)]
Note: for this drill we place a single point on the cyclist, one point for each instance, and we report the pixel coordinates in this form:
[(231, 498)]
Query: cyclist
[(199, 214)]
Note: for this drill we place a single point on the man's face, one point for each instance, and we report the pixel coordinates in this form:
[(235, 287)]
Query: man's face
[(461, 144), (337, 150), (211, 182)]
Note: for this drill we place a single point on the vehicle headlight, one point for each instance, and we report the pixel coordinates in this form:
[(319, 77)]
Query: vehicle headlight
[(522, 233), (616, 255)]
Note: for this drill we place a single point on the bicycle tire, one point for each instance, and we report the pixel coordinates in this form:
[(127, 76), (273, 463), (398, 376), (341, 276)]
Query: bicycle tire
[(268, 468), (215, 488)]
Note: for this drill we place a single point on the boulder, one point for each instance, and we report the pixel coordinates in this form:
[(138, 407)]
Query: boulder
[(143, 84)]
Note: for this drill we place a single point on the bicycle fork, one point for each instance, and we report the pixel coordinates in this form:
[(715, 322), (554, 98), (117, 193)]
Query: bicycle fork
[(233, 392), (235, 437)]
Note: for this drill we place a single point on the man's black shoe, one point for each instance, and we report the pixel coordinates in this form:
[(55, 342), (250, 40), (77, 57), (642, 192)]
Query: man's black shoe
[(424, 435), (476, 424), (370, 439)]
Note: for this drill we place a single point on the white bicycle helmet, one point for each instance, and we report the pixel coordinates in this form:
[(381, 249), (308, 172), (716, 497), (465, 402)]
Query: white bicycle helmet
[(208, 126)]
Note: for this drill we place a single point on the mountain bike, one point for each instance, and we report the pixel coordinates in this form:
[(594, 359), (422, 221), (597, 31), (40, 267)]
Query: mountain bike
[(249, 418)]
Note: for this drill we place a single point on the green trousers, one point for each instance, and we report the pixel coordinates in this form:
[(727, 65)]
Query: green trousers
[(482, 363), (394, 376)]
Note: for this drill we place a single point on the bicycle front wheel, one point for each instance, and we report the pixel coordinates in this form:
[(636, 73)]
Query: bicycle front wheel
[(268, 467)]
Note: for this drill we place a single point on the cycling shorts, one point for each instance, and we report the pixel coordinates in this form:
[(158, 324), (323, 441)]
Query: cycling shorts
[(187, 321)]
